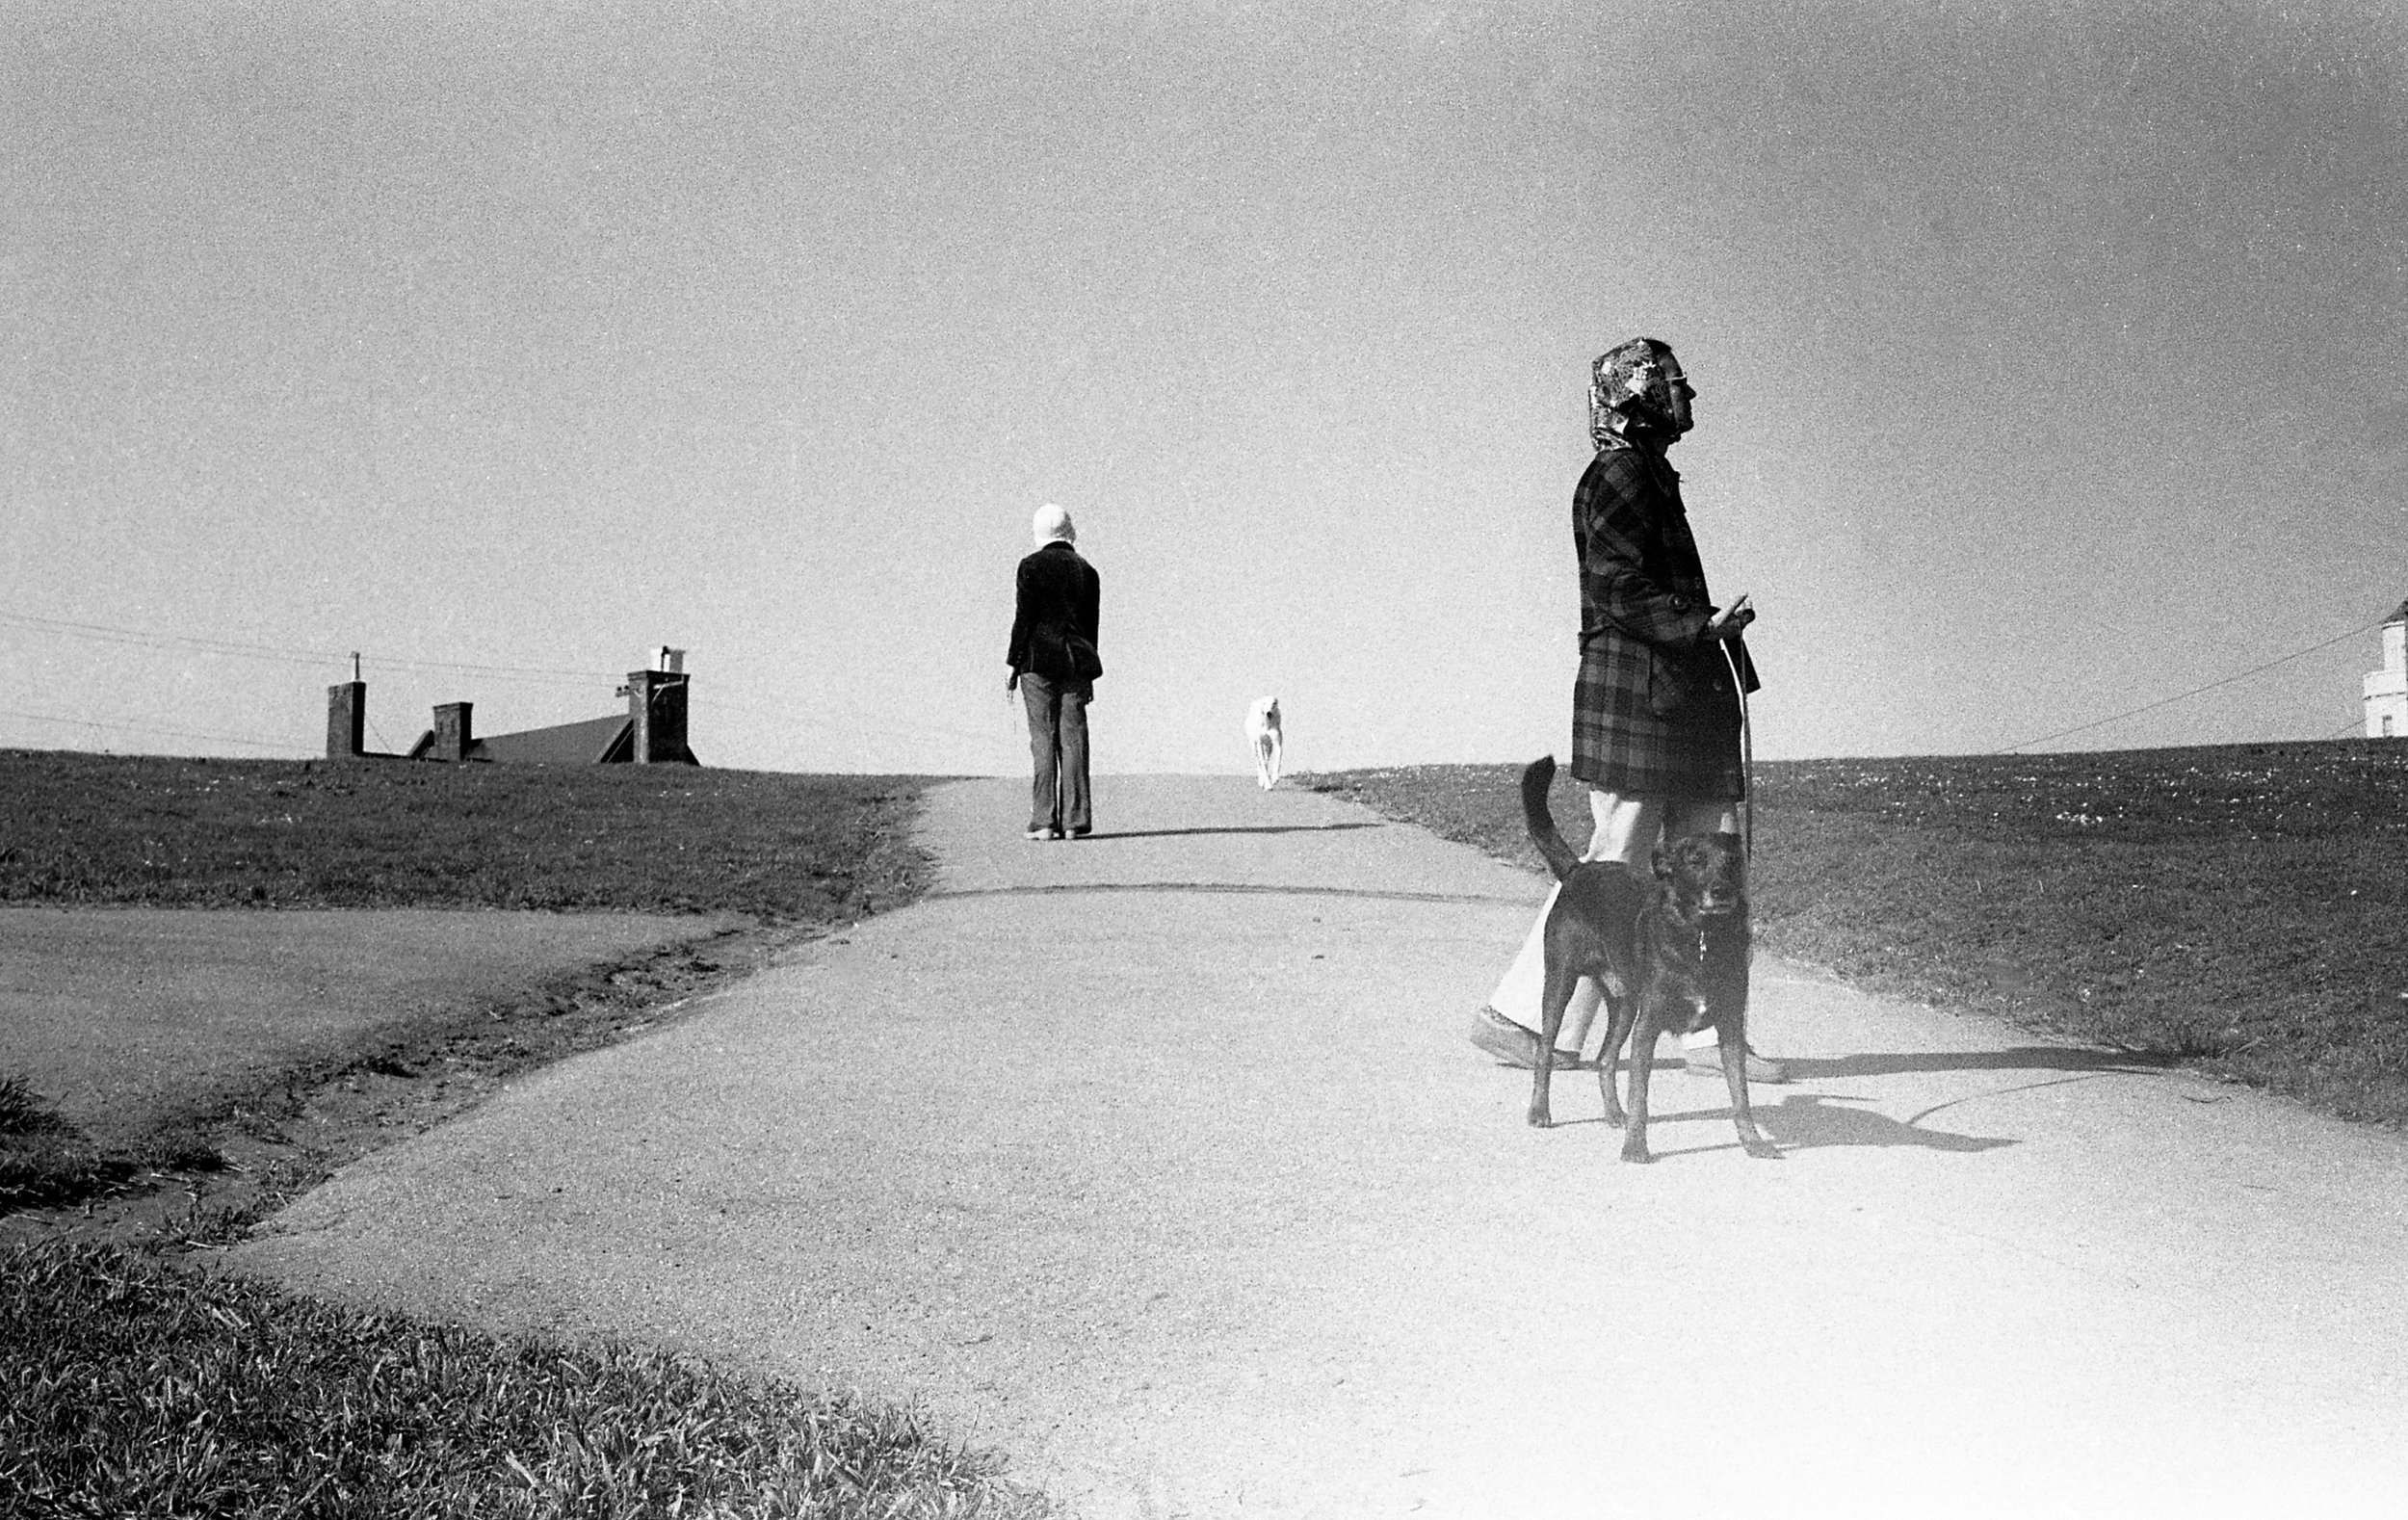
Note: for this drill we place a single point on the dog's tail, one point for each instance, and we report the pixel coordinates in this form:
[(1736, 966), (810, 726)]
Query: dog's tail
[(1541, 822)]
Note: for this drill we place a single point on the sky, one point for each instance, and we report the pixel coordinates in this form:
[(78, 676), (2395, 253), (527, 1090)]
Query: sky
[(2051, 359)]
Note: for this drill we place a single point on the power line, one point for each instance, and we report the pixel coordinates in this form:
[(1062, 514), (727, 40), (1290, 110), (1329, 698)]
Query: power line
[(504, 672), (885, 726), (2177, 697), (106, 633), (146, 729), (100, 633)]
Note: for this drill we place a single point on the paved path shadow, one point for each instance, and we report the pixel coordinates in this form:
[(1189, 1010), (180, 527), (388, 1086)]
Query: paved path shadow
[(2019, 1058), (1165, 1167), (1102, 835)]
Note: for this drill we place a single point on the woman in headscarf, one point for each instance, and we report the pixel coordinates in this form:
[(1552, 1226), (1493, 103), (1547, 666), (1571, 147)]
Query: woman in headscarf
[(1656, 709)]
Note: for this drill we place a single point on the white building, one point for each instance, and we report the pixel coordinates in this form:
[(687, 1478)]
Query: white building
[(2387, 689)]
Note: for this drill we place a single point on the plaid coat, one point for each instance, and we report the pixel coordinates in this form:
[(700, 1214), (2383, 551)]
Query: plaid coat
[(1655, 712)]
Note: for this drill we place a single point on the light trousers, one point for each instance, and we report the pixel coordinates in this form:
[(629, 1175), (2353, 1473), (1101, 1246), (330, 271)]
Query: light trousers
[(1629, 828)]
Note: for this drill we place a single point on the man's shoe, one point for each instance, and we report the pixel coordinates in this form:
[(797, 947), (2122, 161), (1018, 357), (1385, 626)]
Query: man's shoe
[(1081, 833), (1708, 1062), (1042, 834), (1509, 1042)]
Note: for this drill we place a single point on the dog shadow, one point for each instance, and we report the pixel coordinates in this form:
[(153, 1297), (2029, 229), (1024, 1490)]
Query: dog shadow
[(1813, 1120), (1238, 828), (1807, 1121)]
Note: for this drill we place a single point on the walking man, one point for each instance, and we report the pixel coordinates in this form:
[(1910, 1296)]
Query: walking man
[(1054, 666)]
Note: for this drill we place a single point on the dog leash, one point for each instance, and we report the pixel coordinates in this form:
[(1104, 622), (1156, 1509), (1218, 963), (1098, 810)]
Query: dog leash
[(1748, 758), (1747, 789)]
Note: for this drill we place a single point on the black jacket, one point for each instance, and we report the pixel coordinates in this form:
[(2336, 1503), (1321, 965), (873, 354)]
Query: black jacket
[(1058, 596)]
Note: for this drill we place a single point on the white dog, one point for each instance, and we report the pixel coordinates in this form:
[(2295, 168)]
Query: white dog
[(1261, 733)]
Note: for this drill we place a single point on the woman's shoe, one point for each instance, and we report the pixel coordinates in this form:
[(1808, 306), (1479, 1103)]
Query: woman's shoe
[(1706, 1062), (1509, 1042)]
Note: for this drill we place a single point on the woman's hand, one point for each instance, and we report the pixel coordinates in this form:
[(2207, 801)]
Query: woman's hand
[(1730, 622)]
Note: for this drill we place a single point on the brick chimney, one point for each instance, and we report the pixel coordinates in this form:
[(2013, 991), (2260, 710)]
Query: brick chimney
[(346, 721), (452, 735), (656, 703)]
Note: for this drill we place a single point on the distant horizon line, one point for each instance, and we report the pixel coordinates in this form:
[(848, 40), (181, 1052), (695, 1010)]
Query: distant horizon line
[(1234, 771)]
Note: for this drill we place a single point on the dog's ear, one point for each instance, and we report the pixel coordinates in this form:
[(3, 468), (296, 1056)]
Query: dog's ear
[(1659, 862), (1735, 850)]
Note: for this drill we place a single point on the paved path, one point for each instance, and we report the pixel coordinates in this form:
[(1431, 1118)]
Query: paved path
[(1158, 1162)]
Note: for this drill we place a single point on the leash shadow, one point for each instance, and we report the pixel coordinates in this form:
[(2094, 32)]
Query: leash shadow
[(1819, 1120)]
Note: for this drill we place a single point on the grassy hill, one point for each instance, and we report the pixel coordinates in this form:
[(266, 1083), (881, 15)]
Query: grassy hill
[(782, 852), (2245, 908), (86, 828)]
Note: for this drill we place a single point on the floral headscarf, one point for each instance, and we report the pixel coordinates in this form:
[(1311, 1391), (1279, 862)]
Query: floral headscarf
[(1628, 393)]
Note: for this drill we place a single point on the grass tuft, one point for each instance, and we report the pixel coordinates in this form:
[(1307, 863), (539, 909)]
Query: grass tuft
[(24, 1112), (43, 1159), (179, 1146), (130, 1386)]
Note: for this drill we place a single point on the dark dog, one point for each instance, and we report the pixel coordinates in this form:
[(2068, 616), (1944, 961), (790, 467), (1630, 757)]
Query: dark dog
[(1668, 950)]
